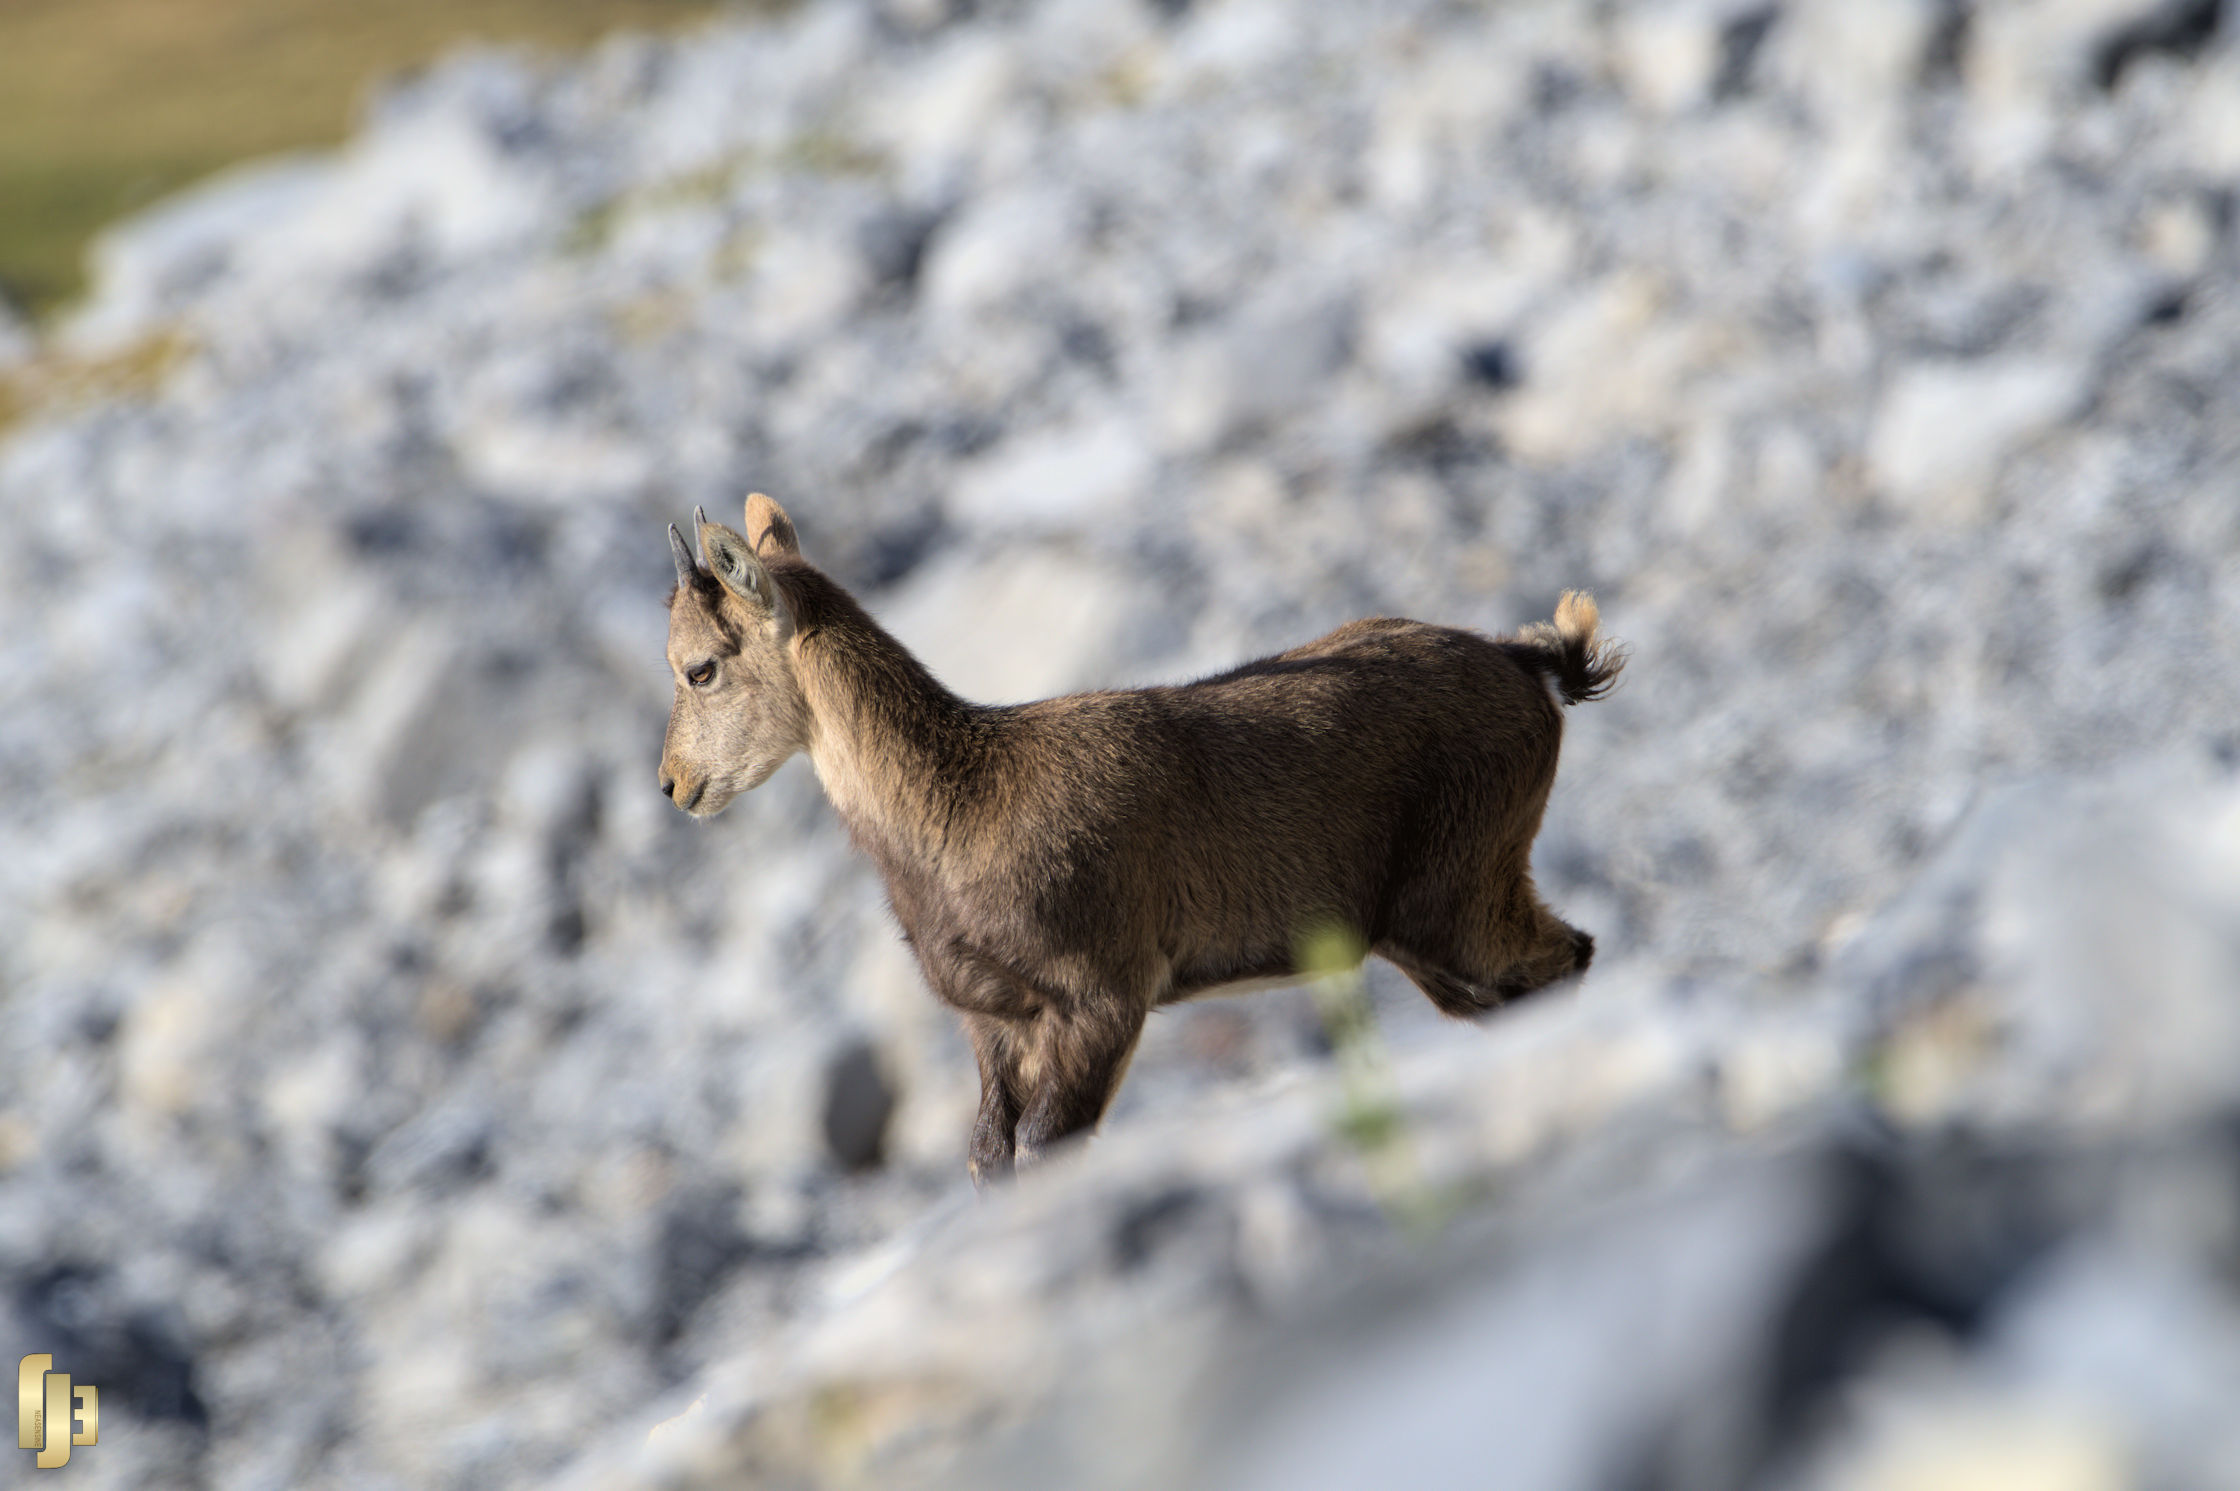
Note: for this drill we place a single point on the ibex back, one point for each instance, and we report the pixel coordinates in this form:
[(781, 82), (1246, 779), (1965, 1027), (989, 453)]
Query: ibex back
[(1062, 868)]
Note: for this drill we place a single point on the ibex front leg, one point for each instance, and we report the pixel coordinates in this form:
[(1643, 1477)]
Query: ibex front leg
[(1002, 1015), (994, 1041), (1049, 1060), (1079, 1056)]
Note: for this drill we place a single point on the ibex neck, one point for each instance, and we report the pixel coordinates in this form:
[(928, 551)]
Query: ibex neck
[(891, 745)]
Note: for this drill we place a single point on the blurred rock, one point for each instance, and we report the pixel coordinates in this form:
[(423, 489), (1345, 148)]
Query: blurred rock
[(1091, 621), (1058, 479), (1238, 377), (1675, 54), (1943, 428), (987, 253), (16, 340), (857, 1104), (146, 265), (2050, 967)]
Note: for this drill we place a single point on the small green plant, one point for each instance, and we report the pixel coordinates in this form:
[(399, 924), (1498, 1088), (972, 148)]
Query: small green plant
[(53, 381), (1370, 1118)]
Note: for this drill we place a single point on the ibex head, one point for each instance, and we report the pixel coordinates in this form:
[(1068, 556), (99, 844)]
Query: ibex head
[(739, 711)]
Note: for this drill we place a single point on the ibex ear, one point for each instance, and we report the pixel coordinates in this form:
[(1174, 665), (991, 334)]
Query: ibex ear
[(769, 529), (731, 561)]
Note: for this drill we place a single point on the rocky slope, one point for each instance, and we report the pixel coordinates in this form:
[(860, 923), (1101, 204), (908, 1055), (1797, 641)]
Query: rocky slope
[(394, 1091)]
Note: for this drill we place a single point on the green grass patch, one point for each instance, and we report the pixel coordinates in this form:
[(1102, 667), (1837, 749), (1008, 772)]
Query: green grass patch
[(106, 105)]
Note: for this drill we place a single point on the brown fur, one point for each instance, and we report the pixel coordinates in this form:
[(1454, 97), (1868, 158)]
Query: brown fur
[(1063, 867)]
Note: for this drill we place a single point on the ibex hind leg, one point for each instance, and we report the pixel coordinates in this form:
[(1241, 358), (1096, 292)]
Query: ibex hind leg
[(1559, 951), (1464, 975), (1452, 992)]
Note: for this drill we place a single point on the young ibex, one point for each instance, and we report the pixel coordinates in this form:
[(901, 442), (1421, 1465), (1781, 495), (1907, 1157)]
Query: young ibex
[(1064, 867)]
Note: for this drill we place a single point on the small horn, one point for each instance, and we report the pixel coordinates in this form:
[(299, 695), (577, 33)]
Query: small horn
[(688, 573), (699, 526)]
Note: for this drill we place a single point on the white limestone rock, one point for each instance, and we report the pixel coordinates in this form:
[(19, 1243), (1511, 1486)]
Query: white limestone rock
[(1944, 427)]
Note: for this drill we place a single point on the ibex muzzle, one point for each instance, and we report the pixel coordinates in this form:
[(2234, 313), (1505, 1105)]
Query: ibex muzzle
[(1063, 868)]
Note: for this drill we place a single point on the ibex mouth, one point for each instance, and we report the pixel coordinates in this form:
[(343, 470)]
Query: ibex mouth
[(693, 801)]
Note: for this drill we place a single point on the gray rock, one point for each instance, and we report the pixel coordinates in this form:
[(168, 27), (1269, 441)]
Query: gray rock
[(857, 1104)]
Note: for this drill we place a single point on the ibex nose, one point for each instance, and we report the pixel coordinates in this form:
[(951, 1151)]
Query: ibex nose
[(668, 786)]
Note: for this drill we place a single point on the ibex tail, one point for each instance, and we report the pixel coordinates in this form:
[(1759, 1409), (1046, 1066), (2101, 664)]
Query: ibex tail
[(1568, 651)]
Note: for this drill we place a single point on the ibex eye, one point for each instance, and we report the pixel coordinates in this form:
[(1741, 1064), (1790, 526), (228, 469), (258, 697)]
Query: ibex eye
[(699, 676)]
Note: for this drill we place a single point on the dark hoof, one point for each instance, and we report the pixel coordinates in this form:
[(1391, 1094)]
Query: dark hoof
[(989, 1170)]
